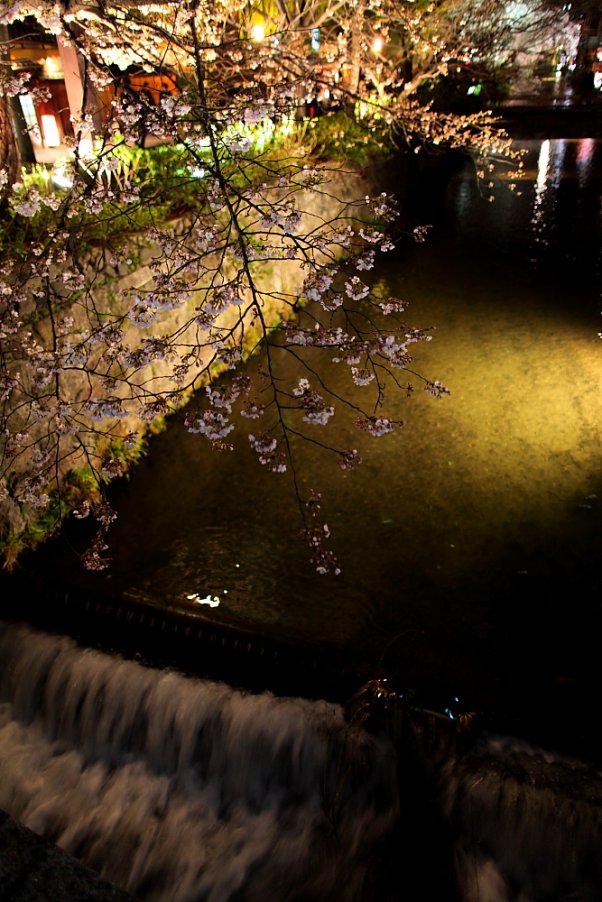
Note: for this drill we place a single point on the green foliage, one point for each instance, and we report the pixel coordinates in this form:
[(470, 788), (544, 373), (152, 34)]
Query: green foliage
[(167, 180), (339, 136), (162, 176), (76, 487), (16, 231), (82, 485)]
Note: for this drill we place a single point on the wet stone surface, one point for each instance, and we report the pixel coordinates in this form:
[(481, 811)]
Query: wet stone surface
[(34, 870)]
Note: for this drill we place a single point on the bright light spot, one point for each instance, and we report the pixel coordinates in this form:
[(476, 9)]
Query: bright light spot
[(85, 148), (29, 112), (61, 181), (211, 600), (542, 165), (257, 33), (50, 131), (541, 185), (198, 172), (377, 44), (52, 67)]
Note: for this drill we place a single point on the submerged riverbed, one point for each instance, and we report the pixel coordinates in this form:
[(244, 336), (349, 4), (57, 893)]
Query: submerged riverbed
[(469, 541)]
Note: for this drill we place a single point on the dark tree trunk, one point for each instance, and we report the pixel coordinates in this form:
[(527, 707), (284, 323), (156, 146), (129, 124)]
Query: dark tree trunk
[(10, 154)]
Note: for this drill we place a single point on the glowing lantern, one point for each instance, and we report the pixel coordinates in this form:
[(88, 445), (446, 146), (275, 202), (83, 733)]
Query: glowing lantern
[(52, 67)]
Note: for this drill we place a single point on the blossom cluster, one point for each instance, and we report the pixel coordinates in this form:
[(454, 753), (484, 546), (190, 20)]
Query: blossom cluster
[(269, 453), (315, 410), (112, 316)]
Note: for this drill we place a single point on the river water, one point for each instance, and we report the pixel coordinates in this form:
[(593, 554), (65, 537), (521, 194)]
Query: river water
[(469, 548), (469, 541)]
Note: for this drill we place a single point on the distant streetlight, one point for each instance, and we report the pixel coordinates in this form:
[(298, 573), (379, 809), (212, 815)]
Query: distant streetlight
[(257, 33), (377, 44)]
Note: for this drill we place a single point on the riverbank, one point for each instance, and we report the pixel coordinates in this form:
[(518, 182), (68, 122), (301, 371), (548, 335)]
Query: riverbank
[(34, 870), (551, 108)]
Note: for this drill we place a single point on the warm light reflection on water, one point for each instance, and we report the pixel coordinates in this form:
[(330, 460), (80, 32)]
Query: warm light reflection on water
[(543, 166), (549, 174), (543, 163), (585, 155)]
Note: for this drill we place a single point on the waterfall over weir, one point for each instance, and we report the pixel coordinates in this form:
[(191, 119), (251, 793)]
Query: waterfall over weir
[(184, 790)]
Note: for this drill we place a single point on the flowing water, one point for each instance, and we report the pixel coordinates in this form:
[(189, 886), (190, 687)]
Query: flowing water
[(178, 789), (528, 824), (183, 790)]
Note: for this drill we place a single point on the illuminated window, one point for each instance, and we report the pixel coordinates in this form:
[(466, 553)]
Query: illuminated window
[(29, 111), (50, 131)]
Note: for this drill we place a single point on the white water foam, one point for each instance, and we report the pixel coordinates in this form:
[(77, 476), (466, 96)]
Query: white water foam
[(182, 789), (528, 824)]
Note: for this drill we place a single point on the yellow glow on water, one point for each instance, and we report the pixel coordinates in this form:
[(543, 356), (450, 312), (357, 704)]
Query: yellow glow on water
[(519, 439)]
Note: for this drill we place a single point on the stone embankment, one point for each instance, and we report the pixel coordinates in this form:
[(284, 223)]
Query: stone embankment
[(34, 870)]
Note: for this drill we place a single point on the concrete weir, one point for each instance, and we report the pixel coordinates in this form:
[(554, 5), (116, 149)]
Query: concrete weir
[(176, 788), (35, 870), (166, 636)]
